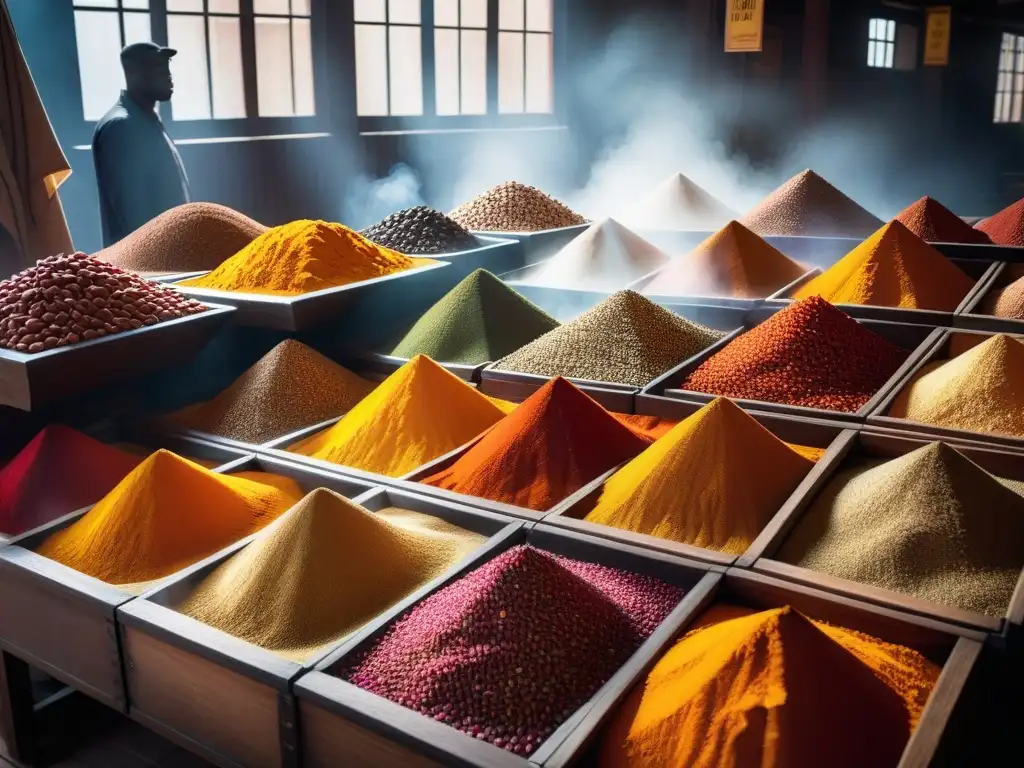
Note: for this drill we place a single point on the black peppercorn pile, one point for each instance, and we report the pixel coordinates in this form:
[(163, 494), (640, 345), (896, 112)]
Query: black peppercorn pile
[(420, 230)]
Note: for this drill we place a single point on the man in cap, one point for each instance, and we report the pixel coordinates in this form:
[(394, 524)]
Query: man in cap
[(138, 170)]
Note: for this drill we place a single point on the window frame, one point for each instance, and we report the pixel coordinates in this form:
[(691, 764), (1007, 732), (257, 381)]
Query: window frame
[(1011, 98), (887, 42)]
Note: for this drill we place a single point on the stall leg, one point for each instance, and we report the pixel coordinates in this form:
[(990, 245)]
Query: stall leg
[(17, 730)]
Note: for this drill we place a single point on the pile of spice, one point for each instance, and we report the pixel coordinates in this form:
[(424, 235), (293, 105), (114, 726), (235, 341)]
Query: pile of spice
[(548, 448), (931, 524), (166, 515), (303, 584), (771, 688), (1006, 302), (809, 354), (63, 300), (1007, 226), (302, 257), (978, 390), (60, 471), (479, 320), (290, 387), (194, 237), (932, 221), (732, 262), (892, 268), (626, 338), (419, 413), (807, 205), (515, 207), (420, 230), (678, 203), (714, 481), (605, 257), (511, 651)]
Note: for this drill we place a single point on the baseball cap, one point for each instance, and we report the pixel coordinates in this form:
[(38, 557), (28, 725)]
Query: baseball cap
[(144, 52)]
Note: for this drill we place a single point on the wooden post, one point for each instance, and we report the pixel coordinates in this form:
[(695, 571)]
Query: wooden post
[(814, 74)]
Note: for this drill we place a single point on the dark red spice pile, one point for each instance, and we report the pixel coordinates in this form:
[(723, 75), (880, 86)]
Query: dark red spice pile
[(809, 354), (1007, 226), (509, 652), (60, 471), (932, 221)]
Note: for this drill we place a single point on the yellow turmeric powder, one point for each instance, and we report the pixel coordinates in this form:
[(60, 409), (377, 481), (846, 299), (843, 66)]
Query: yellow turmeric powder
[(302, 257), (771, 689), (164, 516), (416, 415), (714, 481)]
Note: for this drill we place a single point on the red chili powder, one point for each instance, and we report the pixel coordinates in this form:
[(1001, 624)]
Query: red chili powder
[(558, 440), (809, 354), (1007, 226), (61, 470), (509, 652), (932, 221)]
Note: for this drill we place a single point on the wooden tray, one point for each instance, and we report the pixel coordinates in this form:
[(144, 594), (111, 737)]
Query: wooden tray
[(918, 339), (28, 381), (225, 699), (947, 342), (341, 724), (539, 245), (971, 316), (980, 271), (299, 313), (832, 436), (869, 444)]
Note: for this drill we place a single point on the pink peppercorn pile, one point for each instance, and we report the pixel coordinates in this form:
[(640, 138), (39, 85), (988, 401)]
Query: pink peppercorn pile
[(66, 299), (809, 354), (509, 652)]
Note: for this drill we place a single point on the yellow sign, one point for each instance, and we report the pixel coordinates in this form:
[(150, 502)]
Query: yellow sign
[(936, 37), (744, 25)]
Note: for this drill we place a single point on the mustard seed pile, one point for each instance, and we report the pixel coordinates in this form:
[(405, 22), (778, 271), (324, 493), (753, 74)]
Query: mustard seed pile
[(420, 230), (509, 652), (625, 339), (67, 299), (515, 207)]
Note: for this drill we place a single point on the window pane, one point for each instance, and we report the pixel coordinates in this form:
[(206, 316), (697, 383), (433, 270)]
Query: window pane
[(302, 58), (510, 14), (889, 49), (185, 5), (446, 71), (1006, 108), (474, 72), (370, 10), (1018, 83), (873, 29), (223, 6), (871, 53), (136, 29), (406, 71), (880, 55), (446, 13), (1016, 108), (371, 71), (511, 76), (301, 8), (474, 13), (538, 15), (226, 67), (999, 108), (404, 11), (99, 42), (191, 100), (890, 33), (274, 67), (271, 7), (539, 74), (133, 4)]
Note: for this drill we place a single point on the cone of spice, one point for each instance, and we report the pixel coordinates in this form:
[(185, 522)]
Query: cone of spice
[(678, 203), (420, 230), (515, 207), (1005, 227), (892, 268), (1006, 302), (932, 221), (807, 205)]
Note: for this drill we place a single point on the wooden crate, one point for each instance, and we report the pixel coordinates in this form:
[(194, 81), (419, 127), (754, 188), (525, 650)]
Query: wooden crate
[(869, 444), (341, 724), (225, 699)]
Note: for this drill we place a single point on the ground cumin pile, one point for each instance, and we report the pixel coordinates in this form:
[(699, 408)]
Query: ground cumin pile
[(931, 524), (305, 581), (1007, 226), (626, 338), (290, 387), (164, 516), (772, 689), (809, 354), (302, 257), (509, 652), (419, 413), (553, 444), (714, 481), (732, 262), (479, 320), (678, 203), (932, 221), (514, 207), (193, 237), (979, 390), (807, 205), (892, 268), (606, 257)]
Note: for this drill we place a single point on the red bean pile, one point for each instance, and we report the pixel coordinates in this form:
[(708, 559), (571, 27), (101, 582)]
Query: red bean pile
[(809, 354), (509, 652), (66, 299)]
